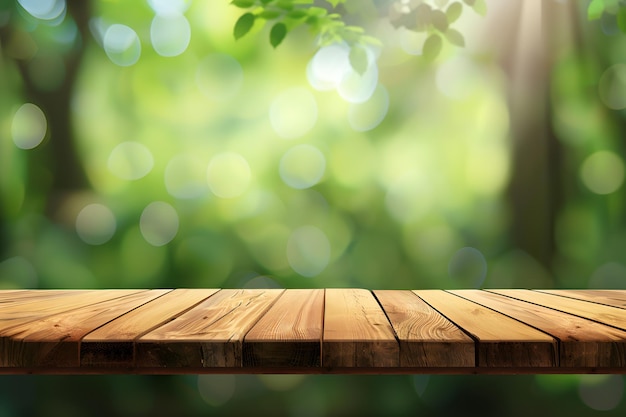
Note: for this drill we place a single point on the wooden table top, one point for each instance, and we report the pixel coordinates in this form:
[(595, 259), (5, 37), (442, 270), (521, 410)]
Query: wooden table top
[(312, 331)]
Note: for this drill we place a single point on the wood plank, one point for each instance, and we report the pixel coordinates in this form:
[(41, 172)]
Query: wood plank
[(289, 334), (28, 296), (613, 298), (53, 341), (209, 335), (356, 331), (426, 337), (502, 341), (583, 343), (18, 314), (611, 316), (113, 343)]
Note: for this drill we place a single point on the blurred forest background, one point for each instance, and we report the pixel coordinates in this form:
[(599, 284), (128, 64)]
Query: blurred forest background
[(141, 145)]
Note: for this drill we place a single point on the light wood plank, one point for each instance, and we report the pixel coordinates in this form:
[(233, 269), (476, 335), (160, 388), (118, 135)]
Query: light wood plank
[(209, 335), (502, 341), (613, 298), (13, 296), (113, 343), (289, 334), (583, 343), (612, 316), (426, 337), (356, 331), (53, 341), (18, 314)]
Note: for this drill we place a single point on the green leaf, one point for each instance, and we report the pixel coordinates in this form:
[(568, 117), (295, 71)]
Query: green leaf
[(269, 14), (264, 2), (317, 12), (244, 4), (455, 37), (439, 20), (469, 2), (297, 14), (277, 34), (621, 19), (454, 12), (441, 3), (358, 59), (480, 7), (432, 47), (285, 4), (335, 3), (595, 9), (243, 25)]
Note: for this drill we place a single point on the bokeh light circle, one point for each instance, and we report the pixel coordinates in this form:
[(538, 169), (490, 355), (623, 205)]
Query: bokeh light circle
[(369, 114), (185, 176), (468, 268), (216, 390), (328, 66), (228, 175), (95, 224), (159, 223), (130, 161), (29, 126), (170, 34), (612, 87), (122, 45), (293, 113), (601, 392), (602, 172), (308, 251), (44, 9), (302, 166)]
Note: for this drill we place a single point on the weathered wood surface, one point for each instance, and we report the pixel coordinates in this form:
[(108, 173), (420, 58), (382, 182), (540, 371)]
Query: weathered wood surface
[(312, 331)]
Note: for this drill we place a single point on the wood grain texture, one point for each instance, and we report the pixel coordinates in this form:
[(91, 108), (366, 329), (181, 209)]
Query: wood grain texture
[(356, 331), (208, 335), (613, 298), (53, 341), (611, 316), (16, 314), (502, 341), (113, 343), (426, 337), (583, 343), (313, 331), (289, 334)]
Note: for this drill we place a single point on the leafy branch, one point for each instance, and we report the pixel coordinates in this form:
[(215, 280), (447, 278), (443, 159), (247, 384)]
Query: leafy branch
[(434, 17)]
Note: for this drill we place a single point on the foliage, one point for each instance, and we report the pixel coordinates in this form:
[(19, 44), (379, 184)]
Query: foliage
[(329, 22)]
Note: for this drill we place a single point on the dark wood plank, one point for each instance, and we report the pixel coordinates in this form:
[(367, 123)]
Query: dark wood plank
[(502, 341), (611, 316), (356, 331), (289, 334), (113, 343), (208, 335), (613, 298), (426, 337), (53, 341), (583, 343)]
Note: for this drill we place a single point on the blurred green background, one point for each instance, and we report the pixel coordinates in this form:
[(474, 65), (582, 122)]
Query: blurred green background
[(142, 146)]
